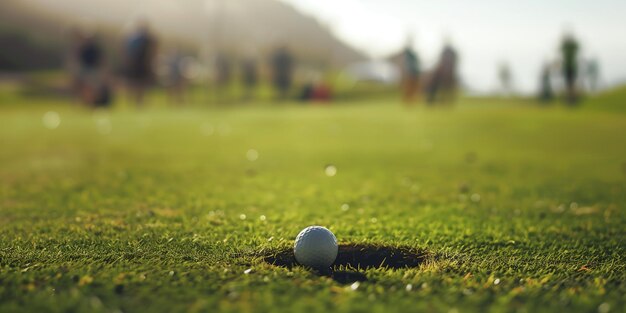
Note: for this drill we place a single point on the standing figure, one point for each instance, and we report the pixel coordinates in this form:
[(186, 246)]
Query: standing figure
[(504, 74), (593, 74), (92, 84), (569, 53), (223, 73), (545, 84), (282, 68), (249, 76), (443, 82), (175, 76), (410, 74), (72, 61), (141, 49)]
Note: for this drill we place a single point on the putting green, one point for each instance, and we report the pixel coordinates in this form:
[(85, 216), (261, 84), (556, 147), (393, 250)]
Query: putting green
[(491, 206)]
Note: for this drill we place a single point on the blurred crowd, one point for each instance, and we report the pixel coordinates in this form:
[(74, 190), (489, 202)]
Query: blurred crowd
[(145, 63), (573, 73), (569, 72), (439, 85)]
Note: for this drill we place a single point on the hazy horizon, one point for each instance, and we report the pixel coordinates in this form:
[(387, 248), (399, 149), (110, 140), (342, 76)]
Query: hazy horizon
[(523, 34)]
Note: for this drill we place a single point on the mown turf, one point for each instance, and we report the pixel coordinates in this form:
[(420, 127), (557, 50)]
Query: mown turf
[(515, 208)]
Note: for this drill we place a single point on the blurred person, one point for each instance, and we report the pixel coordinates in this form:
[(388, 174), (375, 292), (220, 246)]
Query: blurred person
[(569, 53), (306, 92), (546, 93), (592, 71), (504, 75), (282, 64), (443, 83), (410, 74), (316, 89), (249, 75), (322, 92), (141, 47), (72, 62), (175, 76), (92, 84), (223, 75)]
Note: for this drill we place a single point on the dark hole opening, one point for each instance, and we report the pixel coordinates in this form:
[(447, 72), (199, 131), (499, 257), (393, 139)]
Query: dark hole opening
[(360, 256)]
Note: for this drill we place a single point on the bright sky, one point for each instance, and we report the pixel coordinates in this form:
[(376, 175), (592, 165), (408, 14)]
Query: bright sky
[(523, 33)]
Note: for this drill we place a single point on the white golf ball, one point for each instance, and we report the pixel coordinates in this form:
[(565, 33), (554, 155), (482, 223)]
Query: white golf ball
[(316, 247)]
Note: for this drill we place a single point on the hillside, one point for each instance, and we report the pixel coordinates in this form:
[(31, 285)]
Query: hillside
[(29, 38), (238, 26)]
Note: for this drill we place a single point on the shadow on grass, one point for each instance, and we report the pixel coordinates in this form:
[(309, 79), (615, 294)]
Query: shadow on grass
[(354, 257)]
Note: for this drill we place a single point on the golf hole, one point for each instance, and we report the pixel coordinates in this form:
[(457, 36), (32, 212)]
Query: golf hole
[(360, 256)]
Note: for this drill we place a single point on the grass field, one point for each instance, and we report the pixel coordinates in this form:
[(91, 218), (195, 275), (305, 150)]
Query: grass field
[(496, 207)]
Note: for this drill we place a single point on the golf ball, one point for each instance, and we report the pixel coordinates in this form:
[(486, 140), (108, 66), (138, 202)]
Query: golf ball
[(316, 247)]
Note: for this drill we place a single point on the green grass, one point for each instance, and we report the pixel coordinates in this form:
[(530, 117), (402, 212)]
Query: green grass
[(518, 208), (613, 100)]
